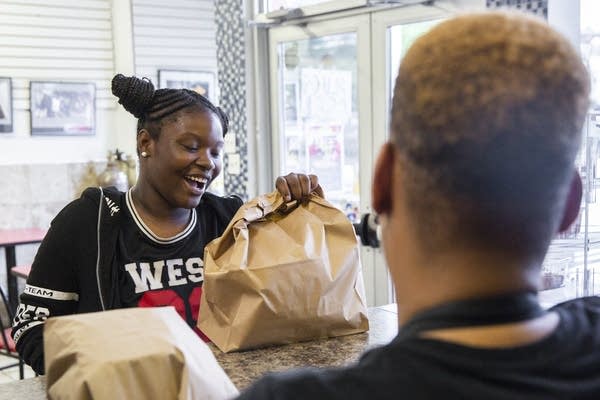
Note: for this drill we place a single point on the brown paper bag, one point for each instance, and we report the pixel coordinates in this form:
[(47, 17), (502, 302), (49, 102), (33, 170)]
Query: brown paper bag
[(282, 274), (134, 353)]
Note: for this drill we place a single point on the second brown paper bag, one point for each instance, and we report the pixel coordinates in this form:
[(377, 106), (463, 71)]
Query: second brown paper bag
[(282, 273), (131, 353)]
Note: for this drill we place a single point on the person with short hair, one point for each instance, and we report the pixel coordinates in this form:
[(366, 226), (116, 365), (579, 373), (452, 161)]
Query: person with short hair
[(476, 179), (144, 247)]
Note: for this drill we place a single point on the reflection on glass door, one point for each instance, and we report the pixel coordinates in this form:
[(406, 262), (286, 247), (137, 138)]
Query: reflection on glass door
[(401, 37), (572, 265), (318, 109), (591, 270), (399, 30), (329, 96)]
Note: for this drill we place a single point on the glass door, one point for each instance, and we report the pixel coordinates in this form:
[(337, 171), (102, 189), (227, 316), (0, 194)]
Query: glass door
[(572, 265), (316, 113), (331, 86), (330, 90), (393, 31), (320, 75)]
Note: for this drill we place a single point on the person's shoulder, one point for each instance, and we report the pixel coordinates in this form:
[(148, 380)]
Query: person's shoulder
[(89, 200), (380, 374), (576, 341), (229, 204), (590, 303), (232, 198), (297, 384), (584, 306), (580, 318), (96, 193), (86, 201)]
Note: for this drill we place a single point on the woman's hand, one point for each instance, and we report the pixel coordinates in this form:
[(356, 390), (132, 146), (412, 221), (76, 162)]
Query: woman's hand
[(298, 186)]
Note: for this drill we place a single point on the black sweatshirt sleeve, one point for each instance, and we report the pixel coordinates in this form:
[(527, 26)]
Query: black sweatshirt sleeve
[(52, 286)]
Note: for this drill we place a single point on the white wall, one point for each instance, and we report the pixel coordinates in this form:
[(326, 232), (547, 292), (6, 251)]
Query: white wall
[(174, 35), (58, 40), (90, 41)]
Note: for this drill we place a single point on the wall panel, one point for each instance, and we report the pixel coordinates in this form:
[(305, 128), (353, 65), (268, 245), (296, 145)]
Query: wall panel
[(179, 35), (59, 40)]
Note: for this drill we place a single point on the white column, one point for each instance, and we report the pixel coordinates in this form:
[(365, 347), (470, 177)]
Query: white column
[(123, 134)]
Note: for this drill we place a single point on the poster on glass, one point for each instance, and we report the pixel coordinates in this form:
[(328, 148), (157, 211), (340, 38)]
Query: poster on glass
[(6, 113), (291, 104), (201, 82), (63, 108), (326, 109), (325, 155)]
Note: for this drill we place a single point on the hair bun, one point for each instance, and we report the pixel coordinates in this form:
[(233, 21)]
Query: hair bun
[(134, 94)]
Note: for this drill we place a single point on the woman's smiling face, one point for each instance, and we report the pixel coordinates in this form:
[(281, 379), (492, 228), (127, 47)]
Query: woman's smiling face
[(185, 158)]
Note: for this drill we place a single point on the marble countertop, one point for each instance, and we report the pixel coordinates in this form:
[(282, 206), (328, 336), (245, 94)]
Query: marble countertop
[(245, 367)]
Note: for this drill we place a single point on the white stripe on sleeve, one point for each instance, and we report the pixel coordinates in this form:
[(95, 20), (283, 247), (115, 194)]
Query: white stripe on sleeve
[(50, 293), (24, 329)]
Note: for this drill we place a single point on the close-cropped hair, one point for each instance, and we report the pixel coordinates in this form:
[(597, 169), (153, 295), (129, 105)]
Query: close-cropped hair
[(153, 107), (487, 116)]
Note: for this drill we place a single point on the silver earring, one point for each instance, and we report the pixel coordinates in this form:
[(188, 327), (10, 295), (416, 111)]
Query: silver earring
[(144, 154)]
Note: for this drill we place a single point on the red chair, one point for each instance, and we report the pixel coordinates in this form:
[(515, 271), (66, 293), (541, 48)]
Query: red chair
[(7, 344)]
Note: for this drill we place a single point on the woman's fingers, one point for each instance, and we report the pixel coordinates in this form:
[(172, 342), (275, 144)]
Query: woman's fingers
[(298, 186)]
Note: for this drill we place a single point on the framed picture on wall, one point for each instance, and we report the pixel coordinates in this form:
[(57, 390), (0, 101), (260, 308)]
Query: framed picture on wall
[(200, 81), (6, 113), (63, 108)]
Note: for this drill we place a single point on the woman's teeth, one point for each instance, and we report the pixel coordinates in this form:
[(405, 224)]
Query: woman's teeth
[(201, 181)]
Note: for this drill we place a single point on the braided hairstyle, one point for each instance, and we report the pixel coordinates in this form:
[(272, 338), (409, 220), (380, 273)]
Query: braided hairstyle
[(154, 107)]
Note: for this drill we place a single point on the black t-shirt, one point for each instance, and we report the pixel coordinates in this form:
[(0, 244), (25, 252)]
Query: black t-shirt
[(155, 271), (565, 365)]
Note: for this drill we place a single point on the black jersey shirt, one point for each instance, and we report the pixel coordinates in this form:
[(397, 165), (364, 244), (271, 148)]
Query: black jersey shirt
[(154, 271)]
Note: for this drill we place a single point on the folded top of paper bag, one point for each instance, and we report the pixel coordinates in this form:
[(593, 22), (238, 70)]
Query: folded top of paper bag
[(134, 353), (282, 273)]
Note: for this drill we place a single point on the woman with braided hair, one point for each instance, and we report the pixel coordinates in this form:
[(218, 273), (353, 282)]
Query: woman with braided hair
[(142, 248)]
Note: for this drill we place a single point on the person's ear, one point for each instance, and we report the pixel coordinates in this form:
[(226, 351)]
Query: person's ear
[(573, 203), (382, 188), (144, 141)]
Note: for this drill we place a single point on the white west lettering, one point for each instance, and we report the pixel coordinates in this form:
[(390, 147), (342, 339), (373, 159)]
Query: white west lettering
[(142, 279), (174, 270), (195, 268), (149, 277)]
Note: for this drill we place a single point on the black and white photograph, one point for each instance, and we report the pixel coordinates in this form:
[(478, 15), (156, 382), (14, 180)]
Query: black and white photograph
[(6, 124), (202, 82), (62, 108)]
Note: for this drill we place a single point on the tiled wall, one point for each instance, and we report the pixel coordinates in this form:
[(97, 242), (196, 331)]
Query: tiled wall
[(538, 7), (231, 61), (32, 194)]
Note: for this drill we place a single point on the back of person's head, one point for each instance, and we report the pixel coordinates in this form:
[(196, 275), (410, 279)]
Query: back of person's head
[(487, 117), (153, 108)]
